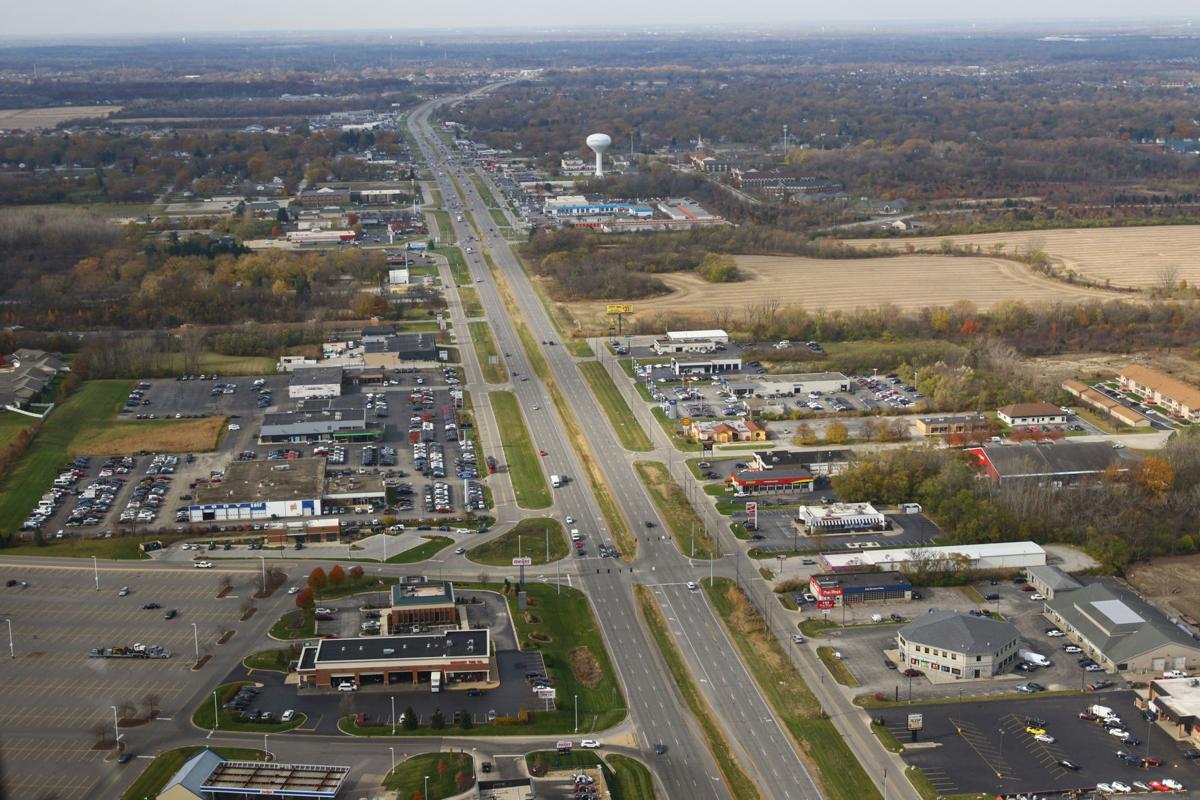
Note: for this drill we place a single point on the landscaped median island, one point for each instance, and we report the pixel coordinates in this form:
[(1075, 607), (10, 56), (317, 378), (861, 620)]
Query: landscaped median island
[(837, 668), (620, 417), (836, 769), (490, 363), (524, 466), (449, 774), (527, 538), (156, 774), (627, 778), (691, 537), (230, 720), (739, 784)]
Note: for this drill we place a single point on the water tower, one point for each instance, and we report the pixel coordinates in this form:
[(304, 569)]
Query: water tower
[(600, 142)]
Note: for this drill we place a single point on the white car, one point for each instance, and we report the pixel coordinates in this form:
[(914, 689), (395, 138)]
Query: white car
[(203, 565), (692, 586), (293, 589), (458, 551), (1104, 788), (323, 611), (797, 638), (1121, 787), (1120, 733), (1171, 783), (1037, 596), (1055, 633), (1175, 673), (1044, 738), (287, 716), (347, 687), (570, 520), (185, 546), (233, 426), (590, 744)]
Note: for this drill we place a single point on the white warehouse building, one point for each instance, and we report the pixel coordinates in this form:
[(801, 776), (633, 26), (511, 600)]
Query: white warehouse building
[(999, 555), (309, 382)]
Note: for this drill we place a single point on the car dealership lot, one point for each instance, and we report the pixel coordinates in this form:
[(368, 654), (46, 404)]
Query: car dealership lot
[(984, 747), (54, 694)]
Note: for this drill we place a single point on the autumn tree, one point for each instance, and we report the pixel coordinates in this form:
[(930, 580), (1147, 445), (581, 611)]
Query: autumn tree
[(356, 572), (836, 433), (337, 576), (304, 599), (1155, 476), (317, 579)]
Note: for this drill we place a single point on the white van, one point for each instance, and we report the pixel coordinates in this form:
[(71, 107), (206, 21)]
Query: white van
[(1101, 711), (1034, 658), (555, 481)]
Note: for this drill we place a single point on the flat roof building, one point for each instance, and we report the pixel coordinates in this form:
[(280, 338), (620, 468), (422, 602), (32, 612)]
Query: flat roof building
[(1177, 703), (952, 424), (1121, 631), (392, 351), (262, 490), (705, 366), (422, 603), (997, 555), (840, 518), (780, 479), (315, 382), (1055, 463), (455, 656), (956, 646), (338, 424), (818, 462), (1024, 414), (832, 590)]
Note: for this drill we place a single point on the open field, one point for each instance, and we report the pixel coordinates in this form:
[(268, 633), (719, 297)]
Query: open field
[(27, 119), (1171, 582), (524, 468), (910, 282), (1130, 257), (153, 435)]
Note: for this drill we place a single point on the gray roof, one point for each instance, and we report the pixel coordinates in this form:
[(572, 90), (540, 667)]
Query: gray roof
[(373, 648), (1053, 578), (307, 376), (1047, 460), (193, 774), (418, 345), (291, 423), (1118, 622), (773, 459), (959, 632)]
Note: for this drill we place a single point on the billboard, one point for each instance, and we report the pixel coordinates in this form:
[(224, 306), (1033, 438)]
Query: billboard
[(522, 561), (546, 693), (618, 308)]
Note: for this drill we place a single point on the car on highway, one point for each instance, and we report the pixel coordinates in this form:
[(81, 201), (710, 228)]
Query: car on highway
[(170, 614), (692, 586), (590, 744), (150, 606), (797, 638), (660, 748), (124, 592), (203, 565)]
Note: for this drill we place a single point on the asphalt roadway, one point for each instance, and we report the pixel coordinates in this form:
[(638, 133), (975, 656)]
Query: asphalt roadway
[(758, 740)]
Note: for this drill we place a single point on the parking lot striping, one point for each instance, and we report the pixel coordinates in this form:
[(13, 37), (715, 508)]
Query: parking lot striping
[(981, 744), (940, 780)]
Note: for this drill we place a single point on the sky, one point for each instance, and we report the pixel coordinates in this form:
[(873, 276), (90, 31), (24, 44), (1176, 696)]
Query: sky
[(107, 17)]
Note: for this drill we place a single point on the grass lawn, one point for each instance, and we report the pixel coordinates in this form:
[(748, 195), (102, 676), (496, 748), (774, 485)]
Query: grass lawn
[(500, 219), (295, 624), (629, 431), (837, 770), (531, 533), (275, 660), (470, 301), (887, 738), (485, 194), (837, 668), (159, 771), (226, 365), (740, 785), (485, 350), (119, 548), (152, 435), (631, 778), (431, 547), (203, 716), (458, 264), (449, 774), (691, 537), (524, 466), (11, 424), (672, 428)]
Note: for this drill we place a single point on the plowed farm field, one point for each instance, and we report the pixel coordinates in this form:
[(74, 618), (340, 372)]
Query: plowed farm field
[(909, 282), (1125, 257), (26, 119)]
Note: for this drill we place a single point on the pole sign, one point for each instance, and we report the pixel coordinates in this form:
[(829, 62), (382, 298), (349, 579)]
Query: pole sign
[(752, 510), (522, 561), (825, 603), (546, 693), (916, 722), (618, 308)]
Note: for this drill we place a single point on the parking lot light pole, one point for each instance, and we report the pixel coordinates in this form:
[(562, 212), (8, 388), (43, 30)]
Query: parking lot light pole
[(11, 652), (265, 753), (393, 726), (263, 559), (216, 718), (96, 572), (393, 751), (577, 713), (196, 639), (425, 794), (116, 725)]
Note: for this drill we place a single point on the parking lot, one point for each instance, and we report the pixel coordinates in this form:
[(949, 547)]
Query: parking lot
[(984, 746), (55, 697)]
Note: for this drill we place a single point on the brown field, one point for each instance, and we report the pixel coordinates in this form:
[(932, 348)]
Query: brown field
[(1173, 583), (1126, 257), (907, 282), (155, 435), (27, 119)]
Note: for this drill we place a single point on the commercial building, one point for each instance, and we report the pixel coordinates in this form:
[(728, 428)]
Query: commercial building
[(1049, 581), (392, 351), (321, 237), (325, 196), (257, 490), (315, 382), (993, 556), (377, 333), (1180, 399), (963, 424), (840, 518), (801, 383), (330, 425), (422, 603), (25, 373), (1020, 415), (705, 366), (208, 776), (834, 590), (1052, 463), (354, 491), (818, 462), (690, 341), (457, 656), (958, 646), (724, 432), (774, 481), (1177, 703), (1121, 631)]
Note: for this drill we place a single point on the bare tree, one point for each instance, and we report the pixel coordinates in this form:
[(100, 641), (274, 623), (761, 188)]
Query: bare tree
[(1167, 278), (100, 731), (151, 703)]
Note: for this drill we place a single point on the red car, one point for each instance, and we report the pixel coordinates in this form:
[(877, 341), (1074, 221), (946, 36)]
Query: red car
[(541, 452), (1027, 588), (1152, 762), (913, 673)]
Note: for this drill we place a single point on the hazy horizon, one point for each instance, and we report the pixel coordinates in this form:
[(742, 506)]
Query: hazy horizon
[(81, 18)]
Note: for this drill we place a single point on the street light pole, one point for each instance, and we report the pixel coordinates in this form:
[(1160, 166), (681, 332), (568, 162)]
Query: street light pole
[(265, 752), (196, 639), (96, 572), (425, 794), (216, 718), (263, 559), (577, 713), (116, 726), (393, 750), (11, 652), (393, 726)]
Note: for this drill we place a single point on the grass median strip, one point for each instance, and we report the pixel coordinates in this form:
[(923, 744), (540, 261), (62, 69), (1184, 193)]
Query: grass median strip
[(524, 466), (470, 301), (620, 417), (740, 785), (427, 549), (837, 668), (490, 363), (691, 537), (836, 769), (534, 537)]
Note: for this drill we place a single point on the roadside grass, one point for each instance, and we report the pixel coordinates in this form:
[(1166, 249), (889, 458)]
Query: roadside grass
[(449, 774), (871, 701), (274, 660), (11, 424), (886, 738), (739, 784), (627, 778), (295, 624), (441, 219), (837, 770), (688, 530), (151, 435), (632, 781), (202, 717), (490, 363), (677, 440), (431, 547), (156, 774), (485, 194), (524, 465), (118, 548), (500, 220), (528, 537), (353, 586), (458, 264), (837, 668), (470, 301), (973, 595), (620, 417)]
